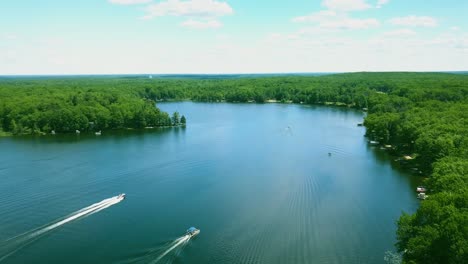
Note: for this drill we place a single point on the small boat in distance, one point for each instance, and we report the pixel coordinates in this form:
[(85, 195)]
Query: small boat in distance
[(421, 189), (192, 231), (121, 196), (98, 133)]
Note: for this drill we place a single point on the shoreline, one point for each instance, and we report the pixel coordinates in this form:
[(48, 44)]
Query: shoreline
[(88, 133)]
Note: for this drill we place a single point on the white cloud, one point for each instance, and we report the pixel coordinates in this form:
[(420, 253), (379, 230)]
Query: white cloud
[(191, 8), (320, 51), (316, 17), (277, 53), (201, 24), (223, 37), (10, 37), (381, 3), (400, 33), (328, 19), (350, 23), (8, 56), (129, 2), (337, 18), (451, 40), (346, 5), (414, 21)]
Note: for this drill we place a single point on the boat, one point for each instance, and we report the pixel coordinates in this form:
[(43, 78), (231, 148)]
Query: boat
[(421, 189), (406, 157), (422, 196), (98, 133), (192, 231), (372, 142), (121, 196)]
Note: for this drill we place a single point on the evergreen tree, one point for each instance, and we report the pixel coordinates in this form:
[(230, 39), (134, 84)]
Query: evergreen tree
[(183, 121), (175, 119)]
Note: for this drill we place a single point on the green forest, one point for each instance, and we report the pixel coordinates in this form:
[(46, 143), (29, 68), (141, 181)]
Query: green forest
[(38, 106), (422, 115)]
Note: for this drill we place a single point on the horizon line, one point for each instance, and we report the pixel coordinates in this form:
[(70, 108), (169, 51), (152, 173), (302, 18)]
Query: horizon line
[(221, 74)]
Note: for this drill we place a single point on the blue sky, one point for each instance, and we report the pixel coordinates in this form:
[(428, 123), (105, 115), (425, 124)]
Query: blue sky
[(238, 36)]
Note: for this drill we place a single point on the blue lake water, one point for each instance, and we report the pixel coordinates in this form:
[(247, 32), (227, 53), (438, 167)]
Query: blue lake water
[(256, 179)]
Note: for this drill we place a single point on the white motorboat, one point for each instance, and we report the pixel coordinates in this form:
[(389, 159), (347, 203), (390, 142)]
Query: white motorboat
[(421, 189)]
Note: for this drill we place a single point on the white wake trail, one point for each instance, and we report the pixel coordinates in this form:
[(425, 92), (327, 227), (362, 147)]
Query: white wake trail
[(21, 241), (178, 242), (95, 205), (81, 213), (107, 205), (38, 229)]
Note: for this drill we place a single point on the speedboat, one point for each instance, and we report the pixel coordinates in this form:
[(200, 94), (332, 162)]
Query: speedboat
[(192, 231), (121, 196)]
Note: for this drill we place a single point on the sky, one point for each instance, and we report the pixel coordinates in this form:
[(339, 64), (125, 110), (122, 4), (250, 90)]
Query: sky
[(231, 36)]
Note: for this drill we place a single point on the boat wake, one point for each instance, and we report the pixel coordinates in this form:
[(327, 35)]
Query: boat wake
[(16, 243), (180, 241), (158, 254)]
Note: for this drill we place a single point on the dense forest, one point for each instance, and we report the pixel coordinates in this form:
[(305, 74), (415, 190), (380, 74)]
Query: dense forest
[(37, 106), (421, 115)]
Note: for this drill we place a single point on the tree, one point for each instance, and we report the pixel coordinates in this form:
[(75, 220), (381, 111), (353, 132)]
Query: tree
[(175, 119), (183, 121)]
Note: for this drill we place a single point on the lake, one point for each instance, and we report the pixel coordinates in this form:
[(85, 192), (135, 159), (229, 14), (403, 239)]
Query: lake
[(256, 179)]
